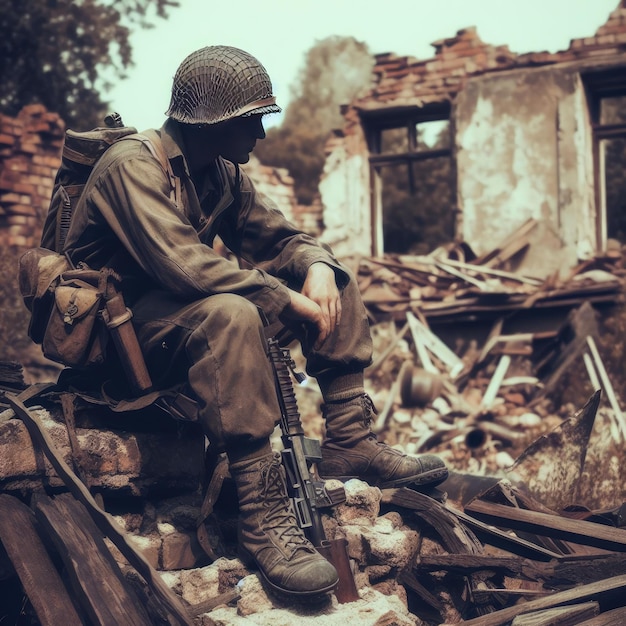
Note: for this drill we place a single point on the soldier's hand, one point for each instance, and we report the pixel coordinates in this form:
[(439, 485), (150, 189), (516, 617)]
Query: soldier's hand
[(321, 287), (305, 310)]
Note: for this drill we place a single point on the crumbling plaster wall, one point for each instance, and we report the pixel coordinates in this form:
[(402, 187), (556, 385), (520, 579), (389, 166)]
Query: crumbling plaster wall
[(522, 142), (345, 188), (522, 151)]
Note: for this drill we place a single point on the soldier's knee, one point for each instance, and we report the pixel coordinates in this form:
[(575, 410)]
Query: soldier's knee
[(230, 310)]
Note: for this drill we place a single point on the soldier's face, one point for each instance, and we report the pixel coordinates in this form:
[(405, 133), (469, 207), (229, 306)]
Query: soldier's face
[(239, 136)]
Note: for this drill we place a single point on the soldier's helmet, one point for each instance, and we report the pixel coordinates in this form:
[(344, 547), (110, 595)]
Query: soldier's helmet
[(217, 83)]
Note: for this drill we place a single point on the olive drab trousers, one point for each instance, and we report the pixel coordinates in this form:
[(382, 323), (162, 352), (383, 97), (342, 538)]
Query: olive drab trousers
[(218, 346)]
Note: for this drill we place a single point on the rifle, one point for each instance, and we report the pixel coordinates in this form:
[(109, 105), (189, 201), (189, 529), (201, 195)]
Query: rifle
[(308, 493)]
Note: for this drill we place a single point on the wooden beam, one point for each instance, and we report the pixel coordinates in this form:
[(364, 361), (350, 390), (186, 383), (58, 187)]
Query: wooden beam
[(615, 617), (558, 616), (576, 531), (96, 579), (42, 583), (466, 564), (455, 537), (422, 334), (613, 588), (506, 541)]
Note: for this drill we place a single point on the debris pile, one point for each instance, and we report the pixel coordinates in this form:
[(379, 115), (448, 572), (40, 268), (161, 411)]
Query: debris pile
[(478, 549), (530, 527), (453, 284), (511, 343)]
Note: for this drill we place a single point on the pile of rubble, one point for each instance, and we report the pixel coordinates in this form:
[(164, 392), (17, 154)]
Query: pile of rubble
[(482, 548), (453, 284), (528, 529), (513, 345)]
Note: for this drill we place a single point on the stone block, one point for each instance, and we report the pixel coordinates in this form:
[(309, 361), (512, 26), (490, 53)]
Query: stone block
[(362, 504), (180, 550), (388, 544)]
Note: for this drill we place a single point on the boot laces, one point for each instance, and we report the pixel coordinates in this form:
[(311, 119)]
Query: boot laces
[(279, 516), (369, 410)]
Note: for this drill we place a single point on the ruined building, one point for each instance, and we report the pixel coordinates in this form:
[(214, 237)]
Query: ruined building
[(466, 145), (475, 141)]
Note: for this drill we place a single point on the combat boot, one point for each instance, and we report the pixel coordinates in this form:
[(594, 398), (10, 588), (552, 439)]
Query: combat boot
[(351, 450), (269, 533)]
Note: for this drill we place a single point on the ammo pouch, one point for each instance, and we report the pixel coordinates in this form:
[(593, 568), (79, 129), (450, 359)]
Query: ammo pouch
[(39, 272), (76, 334), (74, 313)]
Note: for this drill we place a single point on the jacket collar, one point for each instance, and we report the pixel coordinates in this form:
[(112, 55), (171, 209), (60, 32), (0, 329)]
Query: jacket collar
[(172, 141)]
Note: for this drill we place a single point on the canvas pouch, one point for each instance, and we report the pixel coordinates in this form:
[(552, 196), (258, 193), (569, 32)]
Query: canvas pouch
[(76, 333)]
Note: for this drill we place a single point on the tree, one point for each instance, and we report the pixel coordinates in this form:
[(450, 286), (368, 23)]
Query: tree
[(54, 52), (336, 69)]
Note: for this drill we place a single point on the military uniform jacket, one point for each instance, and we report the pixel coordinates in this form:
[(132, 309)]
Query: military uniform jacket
[(127, 219)]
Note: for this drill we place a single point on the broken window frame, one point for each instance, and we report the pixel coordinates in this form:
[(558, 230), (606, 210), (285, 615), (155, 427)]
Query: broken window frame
[(601, 85), (409, 118)]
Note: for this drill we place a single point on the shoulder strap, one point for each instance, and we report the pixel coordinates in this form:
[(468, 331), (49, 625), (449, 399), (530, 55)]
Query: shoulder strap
[(152, 140)]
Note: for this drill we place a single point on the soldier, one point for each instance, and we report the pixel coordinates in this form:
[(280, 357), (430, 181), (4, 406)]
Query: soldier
[(201, 318)]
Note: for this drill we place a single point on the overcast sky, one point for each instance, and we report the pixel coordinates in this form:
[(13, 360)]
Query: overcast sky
[(279, 33)]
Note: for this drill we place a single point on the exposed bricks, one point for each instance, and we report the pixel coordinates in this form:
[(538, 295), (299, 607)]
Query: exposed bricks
[(278, 185), (465, 54), (30, 154)]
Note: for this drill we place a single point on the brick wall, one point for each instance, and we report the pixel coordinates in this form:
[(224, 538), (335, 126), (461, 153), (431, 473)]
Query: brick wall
[(407, 81), (277, 184), (30, 154)]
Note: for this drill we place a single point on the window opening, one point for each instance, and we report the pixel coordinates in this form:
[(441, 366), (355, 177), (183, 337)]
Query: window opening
[(607, 98), (413, 182)]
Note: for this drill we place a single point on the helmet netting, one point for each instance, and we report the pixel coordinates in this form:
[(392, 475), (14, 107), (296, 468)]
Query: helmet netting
[(215, 83)]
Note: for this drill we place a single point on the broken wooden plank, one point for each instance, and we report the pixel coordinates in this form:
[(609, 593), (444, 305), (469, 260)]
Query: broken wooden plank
[(509, 245), (490, 271), (495, 382), (558, 616), (466, 564), (577, 569), (577, 531), (505, 541), (107, 525), (614, 617), (96, 579), (480, 596), (563, 572), (42, 583), (454, 364), (481, 285), (606, 384), (609, 589), (408, 579), (455, 537), (493, 341), (420, 344), (506, 493)]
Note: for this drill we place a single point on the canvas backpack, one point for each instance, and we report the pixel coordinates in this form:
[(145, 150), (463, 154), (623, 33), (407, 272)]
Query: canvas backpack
[(81, 152), (68, 305)]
